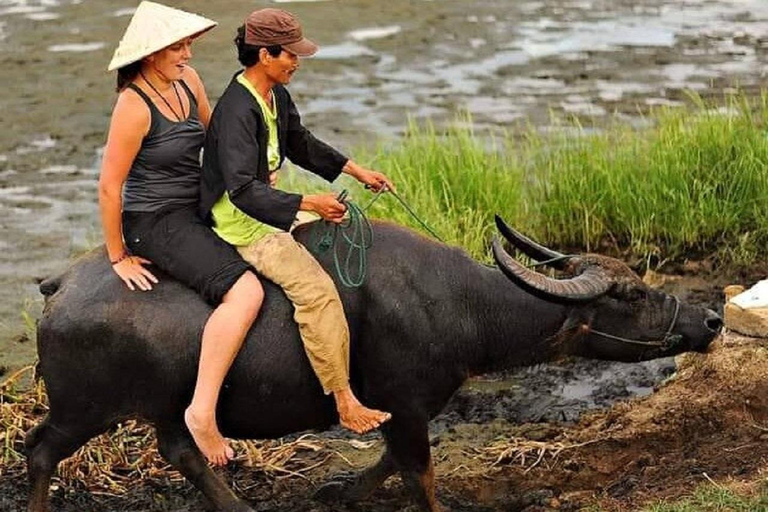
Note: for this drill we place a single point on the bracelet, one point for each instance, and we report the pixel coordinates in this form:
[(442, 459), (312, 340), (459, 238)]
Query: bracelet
[(120, 258)]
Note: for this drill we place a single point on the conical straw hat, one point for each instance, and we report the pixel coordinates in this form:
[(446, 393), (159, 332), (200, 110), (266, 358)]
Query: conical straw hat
[(152, 28)]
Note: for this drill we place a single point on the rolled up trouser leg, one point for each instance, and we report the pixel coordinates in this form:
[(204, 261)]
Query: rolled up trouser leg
[(317, 305)]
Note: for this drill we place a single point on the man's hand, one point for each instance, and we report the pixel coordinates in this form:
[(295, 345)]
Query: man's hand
[(372, 179), (325, 205)]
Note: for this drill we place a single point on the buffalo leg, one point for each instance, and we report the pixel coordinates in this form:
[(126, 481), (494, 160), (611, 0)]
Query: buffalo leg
[(354, 487), (46, 445), (422, 486), (408, 441), (179, 450)]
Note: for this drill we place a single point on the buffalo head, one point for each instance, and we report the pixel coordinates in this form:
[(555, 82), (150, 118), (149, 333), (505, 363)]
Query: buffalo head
[(611, 313)]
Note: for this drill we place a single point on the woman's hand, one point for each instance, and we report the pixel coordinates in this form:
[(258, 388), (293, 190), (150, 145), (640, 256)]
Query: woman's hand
[(131, 270)]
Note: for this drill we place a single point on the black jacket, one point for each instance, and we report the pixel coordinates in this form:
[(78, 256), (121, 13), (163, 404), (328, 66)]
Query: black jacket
[(235, 156)]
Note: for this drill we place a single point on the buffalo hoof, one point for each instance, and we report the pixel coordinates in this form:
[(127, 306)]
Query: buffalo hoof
[(340, 488)]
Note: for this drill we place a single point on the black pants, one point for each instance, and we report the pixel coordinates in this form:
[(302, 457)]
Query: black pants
[(177, 241)]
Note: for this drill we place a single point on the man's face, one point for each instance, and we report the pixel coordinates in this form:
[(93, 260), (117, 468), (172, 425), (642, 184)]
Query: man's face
[(280, 69)]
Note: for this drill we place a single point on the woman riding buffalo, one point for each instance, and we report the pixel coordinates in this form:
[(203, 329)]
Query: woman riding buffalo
[(148, 194)]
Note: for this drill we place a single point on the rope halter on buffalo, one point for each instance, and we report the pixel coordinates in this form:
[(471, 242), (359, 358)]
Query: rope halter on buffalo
[(667, 342)]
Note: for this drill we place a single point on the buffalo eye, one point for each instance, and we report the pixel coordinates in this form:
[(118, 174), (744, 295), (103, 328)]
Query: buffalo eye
[(637, 295)]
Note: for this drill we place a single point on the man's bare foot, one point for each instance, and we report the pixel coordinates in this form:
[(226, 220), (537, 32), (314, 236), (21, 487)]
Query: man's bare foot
[(208, 439), (355, 416)]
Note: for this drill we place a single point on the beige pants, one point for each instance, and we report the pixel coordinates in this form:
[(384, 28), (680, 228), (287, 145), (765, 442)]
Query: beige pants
[(318, 309)]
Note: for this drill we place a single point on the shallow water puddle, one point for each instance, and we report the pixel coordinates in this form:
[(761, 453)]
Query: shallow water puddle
[(76, 47), (374, 32)]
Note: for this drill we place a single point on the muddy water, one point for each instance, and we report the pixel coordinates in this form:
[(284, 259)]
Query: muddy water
[(381, 62)]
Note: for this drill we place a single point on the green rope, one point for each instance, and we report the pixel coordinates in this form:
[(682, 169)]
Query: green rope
[(407, 208), (357, 234)]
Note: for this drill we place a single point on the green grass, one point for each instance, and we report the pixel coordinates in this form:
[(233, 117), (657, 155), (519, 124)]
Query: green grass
[(712, 498), (697, 182), (454, 181), (709, 497), (693, 184)]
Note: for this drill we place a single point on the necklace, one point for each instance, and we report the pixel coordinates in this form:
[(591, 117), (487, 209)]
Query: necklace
[(173, 84)]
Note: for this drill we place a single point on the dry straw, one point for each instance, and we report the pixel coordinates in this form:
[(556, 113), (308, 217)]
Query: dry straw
[(516, 451), (126, 457)]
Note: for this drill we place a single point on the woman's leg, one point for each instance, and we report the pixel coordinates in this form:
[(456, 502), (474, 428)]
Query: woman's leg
[(320, 317), (223, 336)]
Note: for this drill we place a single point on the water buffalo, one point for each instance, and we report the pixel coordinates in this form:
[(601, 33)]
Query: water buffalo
[(427, 317)]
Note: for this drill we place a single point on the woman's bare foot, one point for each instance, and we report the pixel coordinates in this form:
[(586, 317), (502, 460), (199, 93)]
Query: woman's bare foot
[(355, 416), (208, 439)]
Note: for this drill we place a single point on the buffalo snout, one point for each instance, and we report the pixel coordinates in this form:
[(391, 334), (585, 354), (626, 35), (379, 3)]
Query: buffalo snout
[(713, 324)]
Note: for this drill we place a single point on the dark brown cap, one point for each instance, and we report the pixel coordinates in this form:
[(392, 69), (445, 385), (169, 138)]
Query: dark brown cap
[(269, 27)]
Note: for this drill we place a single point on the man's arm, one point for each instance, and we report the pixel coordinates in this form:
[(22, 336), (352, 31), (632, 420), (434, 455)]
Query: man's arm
[(238, 160), (306, 150)]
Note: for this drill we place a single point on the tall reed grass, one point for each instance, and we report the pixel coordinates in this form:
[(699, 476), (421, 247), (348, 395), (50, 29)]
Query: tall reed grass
[(693, 183)]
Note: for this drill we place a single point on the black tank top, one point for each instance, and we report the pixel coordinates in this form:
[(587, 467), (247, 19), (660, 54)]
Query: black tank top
[(166, 171)]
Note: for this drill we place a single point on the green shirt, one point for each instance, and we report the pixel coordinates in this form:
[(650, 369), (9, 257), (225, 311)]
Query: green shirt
[(230, 223)]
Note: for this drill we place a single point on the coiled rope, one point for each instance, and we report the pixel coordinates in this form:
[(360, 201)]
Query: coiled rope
[(351, 239), (356, 233)]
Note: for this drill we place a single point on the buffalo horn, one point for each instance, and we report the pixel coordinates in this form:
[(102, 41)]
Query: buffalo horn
[(529, 247), (587, 286)]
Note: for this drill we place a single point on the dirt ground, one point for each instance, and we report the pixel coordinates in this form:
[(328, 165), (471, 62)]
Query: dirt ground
[(708, 421)]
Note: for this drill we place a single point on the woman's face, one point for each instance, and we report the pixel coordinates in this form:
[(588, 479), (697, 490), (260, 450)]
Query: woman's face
[(280, 69), (171, 61)]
